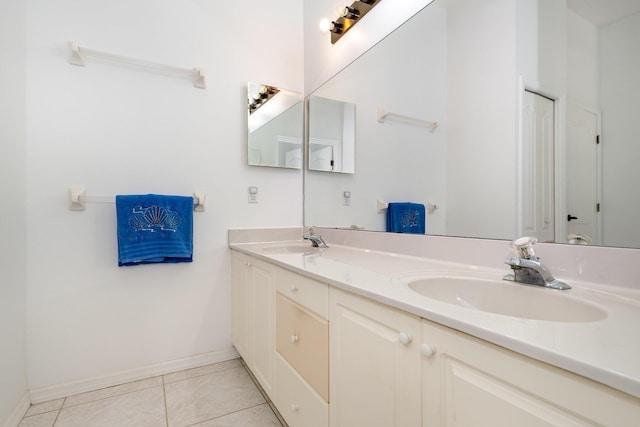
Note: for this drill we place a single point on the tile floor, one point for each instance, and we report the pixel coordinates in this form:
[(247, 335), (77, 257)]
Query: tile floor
[(218, 395)]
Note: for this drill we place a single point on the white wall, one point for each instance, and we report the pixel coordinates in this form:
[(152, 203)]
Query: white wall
[(13, 372), (620, 129), (117, 130), (481, 141)]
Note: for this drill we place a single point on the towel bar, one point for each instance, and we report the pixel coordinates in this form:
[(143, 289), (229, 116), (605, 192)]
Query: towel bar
[(383, 114), (381, 206), (78, 199), (79, 54)]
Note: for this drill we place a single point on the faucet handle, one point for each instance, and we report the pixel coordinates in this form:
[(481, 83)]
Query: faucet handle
[(523, 247)]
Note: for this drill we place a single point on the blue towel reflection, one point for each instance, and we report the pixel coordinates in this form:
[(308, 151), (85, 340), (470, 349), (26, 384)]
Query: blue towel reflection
[(406, 218), (154, 229)]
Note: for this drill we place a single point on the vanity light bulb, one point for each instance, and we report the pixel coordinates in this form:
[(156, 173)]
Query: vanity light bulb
[(336, 27), (332, 26), (350, 12), (325, 25)]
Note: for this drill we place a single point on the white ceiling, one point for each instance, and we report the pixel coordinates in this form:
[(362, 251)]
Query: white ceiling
[(604, 12)]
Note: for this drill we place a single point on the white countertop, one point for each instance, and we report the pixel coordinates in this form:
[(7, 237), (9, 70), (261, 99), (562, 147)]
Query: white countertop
[(607, 351)]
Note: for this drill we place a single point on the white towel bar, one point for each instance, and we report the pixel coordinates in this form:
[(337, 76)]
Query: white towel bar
[(79, 52), (383, 114), (381, 206), (78, 199)]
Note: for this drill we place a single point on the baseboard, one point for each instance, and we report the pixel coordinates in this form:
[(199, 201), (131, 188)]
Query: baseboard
[(44, 394), (19, 411)]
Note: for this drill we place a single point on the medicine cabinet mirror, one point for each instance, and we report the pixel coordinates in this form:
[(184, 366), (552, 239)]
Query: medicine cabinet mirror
[(332, 135), (274, 131)]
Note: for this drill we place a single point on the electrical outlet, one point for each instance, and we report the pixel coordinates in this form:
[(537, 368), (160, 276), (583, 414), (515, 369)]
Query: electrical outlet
[(253, 194)]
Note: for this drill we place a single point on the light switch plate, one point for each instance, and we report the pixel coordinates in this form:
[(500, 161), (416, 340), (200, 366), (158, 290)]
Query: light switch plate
[(253, 194)]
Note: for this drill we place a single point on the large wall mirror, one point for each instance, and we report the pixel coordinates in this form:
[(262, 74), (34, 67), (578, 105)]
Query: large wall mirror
[(481, 70), (274, 131)]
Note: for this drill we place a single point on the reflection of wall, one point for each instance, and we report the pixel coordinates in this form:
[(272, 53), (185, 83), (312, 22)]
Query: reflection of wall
[(13, 375), (482, 119), (582, 62), (264, 140), (542, 49), (620, 89), (394, 161)]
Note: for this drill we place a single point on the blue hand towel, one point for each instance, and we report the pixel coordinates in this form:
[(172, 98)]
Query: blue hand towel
[(406, 218), (154, 229)]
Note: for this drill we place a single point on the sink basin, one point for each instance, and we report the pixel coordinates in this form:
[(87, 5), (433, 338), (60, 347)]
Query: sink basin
[(508, 298), (291, 249)]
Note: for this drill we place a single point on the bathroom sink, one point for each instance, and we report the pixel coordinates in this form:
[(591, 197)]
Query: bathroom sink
[(303, 248), (507, 298)]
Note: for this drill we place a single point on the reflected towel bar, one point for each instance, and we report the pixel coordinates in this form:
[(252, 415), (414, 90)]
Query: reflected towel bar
[(383, 114), (78, 199), (381, 206), (79, 52)]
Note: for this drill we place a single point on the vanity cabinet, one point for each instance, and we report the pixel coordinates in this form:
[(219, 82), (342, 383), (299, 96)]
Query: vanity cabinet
[(302, 350), (375, 363), (327, 357), (470, 382), (253, 316)]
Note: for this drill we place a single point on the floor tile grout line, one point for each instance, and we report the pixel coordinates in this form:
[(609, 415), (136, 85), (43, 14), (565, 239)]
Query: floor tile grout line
[(166, 408), (107, 397), (111, 397), (58, 414), (199, 375), (268, 400), (227, 414)]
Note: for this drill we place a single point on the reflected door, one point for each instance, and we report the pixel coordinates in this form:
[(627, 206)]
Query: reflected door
[(582, 173), (321, 159), (538, 210)]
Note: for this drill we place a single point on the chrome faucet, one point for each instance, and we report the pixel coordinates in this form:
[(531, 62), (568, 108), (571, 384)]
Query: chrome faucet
[(527, 267), (316, 239)]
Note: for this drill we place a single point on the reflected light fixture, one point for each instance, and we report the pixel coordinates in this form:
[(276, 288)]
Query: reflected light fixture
[(261, 97), (347, 18)]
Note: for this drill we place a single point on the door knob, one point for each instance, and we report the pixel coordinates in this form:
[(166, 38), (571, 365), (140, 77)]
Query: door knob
[(569, 217)]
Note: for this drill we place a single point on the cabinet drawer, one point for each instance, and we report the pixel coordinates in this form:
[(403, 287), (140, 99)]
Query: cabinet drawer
[(307, 292), (296, 401), (302, 338)]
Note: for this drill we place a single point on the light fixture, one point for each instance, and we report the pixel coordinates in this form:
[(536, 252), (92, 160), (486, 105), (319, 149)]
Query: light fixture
[(261, 97), (348, 16)]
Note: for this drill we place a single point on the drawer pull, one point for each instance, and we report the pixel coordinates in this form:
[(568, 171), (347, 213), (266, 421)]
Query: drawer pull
[(294, 338), (405, 338), (427, 350), (294, 288), (295, 407)]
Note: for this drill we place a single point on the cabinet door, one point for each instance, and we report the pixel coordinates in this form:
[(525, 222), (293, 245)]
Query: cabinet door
[(240, 305), (263, 324), (470, 382), (374, 364)]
